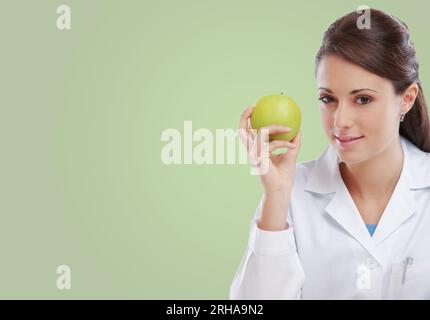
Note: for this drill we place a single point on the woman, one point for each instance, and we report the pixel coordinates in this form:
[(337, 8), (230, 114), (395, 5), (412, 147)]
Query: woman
[(355, 222)]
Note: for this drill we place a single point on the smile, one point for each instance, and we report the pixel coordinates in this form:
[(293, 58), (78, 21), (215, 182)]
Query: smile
[(347, 142)]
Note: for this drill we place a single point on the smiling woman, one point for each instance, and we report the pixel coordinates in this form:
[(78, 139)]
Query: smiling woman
[(353, 223), (370, 92), (388, 60)]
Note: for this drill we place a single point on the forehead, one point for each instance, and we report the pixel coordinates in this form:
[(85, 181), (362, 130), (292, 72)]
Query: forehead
[(340, 75)]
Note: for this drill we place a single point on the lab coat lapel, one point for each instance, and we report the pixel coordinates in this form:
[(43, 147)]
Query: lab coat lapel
[(343, 209), (400, 208), (325, 178), (401, 205)]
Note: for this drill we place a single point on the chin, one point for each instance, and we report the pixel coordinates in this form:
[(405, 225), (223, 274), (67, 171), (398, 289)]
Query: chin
[(349, 156), (350, 160)]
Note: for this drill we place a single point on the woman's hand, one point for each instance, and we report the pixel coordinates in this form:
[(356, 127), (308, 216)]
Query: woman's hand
[(276, 172)]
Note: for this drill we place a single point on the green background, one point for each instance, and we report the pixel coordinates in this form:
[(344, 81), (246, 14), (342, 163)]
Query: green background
[(82, 112)]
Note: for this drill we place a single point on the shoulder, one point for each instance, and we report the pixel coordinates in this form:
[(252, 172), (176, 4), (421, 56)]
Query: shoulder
[(418, 165)]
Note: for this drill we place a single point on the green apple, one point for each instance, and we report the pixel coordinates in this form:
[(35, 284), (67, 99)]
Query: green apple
[(277, 109)]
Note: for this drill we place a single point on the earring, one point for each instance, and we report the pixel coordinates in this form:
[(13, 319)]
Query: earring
[(402, 117)]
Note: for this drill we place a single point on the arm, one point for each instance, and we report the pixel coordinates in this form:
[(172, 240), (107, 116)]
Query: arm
[(270, 267)]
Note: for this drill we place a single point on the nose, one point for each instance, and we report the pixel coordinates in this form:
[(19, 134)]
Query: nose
[(342, 117)]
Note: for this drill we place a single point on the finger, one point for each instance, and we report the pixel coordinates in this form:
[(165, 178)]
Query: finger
[(261, 141), (289, 158), (255, 153), (246, 139), (276, 144), (243, 131), (276, 128), (297, 139), (246, 114), (252, 132)]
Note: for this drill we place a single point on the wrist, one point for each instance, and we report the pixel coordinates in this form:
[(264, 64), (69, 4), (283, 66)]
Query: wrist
[(277, 194)]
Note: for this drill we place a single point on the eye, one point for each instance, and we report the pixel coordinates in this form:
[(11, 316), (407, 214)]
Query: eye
[(326, 99), (363, 100)]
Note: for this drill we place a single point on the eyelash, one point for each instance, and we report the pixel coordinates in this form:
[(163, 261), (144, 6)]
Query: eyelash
[(358, 97)]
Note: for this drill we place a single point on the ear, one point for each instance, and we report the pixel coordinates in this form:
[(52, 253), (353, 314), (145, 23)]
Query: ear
[(408, 98)]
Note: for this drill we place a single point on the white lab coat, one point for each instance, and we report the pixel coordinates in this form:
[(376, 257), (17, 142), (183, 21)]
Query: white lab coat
[(328, 253)]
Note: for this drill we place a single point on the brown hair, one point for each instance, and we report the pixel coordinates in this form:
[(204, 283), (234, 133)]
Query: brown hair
[(383, 49)]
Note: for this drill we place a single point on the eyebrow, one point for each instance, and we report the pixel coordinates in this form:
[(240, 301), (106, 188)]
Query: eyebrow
[(352, 92)]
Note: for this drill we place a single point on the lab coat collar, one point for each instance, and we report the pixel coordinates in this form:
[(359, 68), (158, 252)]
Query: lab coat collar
[(326, 168), (325, 178)]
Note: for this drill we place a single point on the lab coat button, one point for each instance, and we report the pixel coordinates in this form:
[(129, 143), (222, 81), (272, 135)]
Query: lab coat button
[(372, 263)]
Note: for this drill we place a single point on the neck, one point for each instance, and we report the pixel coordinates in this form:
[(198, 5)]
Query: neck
[(375, 177)]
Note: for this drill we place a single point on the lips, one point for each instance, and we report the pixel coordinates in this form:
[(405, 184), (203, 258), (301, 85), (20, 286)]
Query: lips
[(348, 138)]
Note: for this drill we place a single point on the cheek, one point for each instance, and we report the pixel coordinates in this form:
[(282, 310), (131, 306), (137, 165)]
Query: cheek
[(381, 119), (326, 119)]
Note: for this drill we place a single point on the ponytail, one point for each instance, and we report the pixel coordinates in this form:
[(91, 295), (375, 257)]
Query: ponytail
[(416, 125)]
